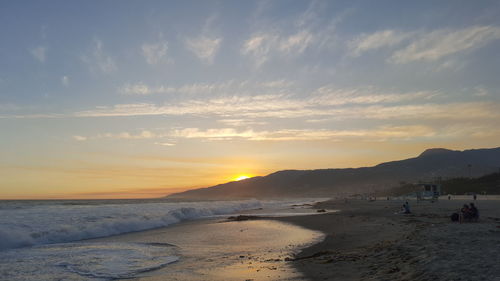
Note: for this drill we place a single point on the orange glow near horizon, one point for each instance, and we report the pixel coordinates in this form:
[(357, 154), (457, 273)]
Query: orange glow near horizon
[(241, 177)]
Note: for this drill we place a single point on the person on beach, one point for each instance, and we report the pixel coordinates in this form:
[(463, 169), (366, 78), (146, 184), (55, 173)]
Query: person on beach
[(473, 212), (465, 213), (406, 208)]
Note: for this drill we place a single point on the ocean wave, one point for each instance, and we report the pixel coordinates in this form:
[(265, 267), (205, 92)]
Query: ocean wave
[(44, 224), (84, 261)]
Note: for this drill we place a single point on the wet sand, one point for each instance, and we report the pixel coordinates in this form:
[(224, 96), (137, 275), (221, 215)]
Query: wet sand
[(219, 249), (364, 241), (368, 241)]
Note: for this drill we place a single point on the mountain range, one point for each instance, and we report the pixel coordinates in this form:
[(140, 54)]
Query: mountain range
[(431, 165)]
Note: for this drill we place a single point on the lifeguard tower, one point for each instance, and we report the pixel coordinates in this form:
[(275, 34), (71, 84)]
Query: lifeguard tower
[(428, 191)]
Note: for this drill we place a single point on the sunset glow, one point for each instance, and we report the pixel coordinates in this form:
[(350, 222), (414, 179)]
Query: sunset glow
[(153, 97), (241, 177)]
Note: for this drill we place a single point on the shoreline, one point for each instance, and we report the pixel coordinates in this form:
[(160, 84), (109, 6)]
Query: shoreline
[(257, 248), (353, 240), (371, 241)]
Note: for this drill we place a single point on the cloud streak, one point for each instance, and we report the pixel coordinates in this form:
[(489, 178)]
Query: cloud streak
[(155, 53), (262, 46), (205, 48), (231, 87), (421, 45), (444, 42), (379, 134), (325, 101), (98, 61), (379, 39)]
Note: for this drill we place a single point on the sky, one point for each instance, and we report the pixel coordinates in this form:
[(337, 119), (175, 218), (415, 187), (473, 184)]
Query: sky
[(139, 99)]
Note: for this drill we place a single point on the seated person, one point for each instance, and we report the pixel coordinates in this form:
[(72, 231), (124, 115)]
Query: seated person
[(406, 208), (473, 212), (465, 213)]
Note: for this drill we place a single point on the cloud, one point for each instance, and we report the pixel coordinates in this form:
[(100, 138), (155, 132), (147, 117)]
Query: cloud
[(98, 61), (165, 143), (212, 134), (263, 45), (221, 88), (80, 138), (145, 134), (451, 65), (379, 39), (311, 30), (450, 111), (136, 89), (378, 134), (155, 53), (241, 122), (320, 105), (480, 91), (325, 101), (296, 43), (65, 81), (259, 47), (443, 42), (39, 53), (205, 48)]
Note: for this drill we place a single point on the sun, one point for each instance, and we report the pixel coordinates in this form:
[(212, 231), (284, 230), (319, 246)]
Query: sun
[(241, 177)]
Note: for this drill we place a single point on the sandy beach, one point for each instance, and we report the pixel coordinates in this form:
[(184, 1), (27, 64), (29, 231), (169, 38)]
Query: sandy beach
[(369, 241), (363, 241), (222, 249)]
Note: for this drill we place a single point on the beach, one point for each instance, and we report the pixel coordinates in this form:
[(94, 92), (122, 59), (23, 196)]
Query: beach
[(371, 241), (152, 240), (329, 240), (365, 240)]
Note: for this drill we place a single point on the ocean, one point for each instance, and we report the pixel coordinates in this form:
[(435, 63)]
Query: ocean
[(56, 239)]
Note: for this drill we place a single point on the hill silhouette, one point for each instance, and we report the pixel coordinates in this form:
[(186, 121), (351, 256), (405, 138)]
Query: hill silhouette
[(429, 165)]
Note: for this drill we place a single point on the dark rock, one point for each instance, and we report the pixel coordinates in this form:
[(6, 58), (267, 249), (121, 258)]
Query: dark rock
[(243, 218)]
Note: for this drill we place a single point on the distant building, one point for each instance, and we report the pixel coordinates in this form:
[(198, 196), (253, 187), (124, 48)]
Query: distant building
[(428, 191)]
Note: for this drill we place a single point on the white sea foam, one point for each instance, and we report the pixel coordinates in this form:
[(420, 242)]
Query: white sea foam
[(57, 223), (84, 261)]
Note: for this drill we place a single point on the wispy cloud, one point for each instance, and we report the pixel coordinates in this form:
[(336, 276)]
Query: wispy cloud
[(98, 61), (155, 53), (145, 134), (165, 143), (79, 138), (221, 88), (296, 43), (310, 31), (205, 48), (263, 45), (241, 122), (139, 89), (443, 42), (451, 65), (378, 134), (480, 91), (259, 47), (379, 39), (39, 53), (213, 134), (65, 80), (325, 101), (420, 45)]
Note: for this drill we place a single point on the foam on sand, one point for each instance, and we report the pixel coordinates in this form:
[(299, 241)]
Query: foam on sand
[(81, 261), (45, 224)]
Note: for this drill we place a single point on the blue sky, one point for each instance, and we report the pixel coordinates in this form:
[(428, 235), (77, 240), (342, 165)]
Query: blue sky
[(140, 98)]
